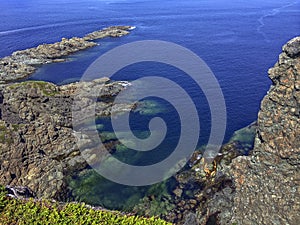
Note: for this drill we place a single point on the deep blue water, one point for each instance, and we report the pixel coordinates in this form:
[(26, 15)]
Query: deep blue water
[(228, 36), (239, 40)]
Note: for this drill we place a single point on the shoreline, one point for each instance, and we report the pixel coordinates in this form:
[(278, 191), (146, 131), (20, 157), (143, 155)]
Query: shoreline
[(21, 64)]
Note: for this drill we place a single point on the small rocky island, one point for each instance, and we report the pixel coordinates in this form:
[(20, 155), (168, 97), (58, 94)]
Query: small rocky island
[(22, 64)]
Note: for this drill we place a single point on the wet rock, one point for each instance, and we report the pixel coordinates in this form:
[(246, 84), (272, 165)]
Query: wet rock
[(205, 188), (19, 192)]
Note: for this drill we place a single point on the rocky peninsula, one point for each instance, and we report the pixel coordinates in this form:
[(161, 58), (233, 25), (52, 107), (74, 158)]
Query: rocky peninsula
[(22, 64), (37, 144)]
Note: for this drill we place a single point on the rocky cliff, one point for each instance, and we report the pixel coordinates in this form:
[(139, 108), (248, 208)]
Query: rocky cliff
[(38, 150), (267, 184), (37, 145)]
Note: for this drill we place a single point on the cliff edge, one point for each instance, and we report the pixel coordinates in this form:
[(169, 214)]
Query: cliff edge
[(267, 183), (38, 148)]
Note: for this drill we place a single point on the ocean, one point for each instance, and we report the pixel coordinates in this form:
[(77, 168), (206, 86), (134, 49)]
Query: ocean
[(239, 41)]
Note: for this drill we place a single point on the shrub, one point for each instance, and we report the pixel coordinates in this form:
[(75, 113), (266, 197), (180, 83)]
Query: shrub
[(30, 211)]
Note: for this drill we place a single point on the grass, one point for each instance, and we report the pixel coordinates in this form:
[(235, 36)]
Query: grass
[(5, 134), (48, 89), (15, 211), (2, 133)]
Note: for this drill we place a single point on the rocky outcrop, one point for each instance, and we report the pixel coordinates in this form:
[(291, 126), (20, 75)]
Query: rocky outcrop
[(38, 148), (201, 190), (267, 183), (23, 63), (264, 187), (114, 31)]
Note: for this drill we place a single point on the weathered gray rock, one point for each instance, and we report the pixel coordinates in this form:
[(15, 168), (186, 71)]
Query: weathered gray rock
[(292, 48), (38, 148), (114, 31), (191, 219)]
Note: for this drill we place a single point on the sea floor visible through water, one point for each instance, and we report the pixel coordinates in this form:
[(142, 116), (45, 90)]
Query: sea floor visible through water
[(238, 40)]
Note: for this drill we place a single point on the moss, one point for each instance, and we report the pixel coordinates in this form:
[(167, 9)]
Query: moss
[(14, 211), (2, 137), (48, 89), (16, 126), (5, 134), (3, 131)]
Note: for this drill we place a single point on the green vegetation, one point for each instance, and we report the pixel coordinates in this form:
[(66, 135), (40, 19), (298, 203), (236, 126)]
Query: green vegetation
[(14, 211), (2, 133), (5, 134), (48, 89)]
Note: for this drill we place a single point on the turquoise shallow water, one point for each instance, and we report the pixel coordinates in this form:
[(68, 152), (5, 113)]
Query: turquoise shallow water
[(238, 40)]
